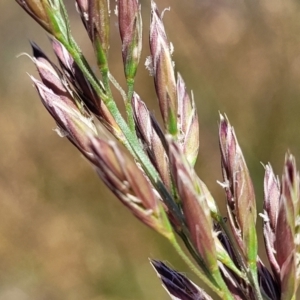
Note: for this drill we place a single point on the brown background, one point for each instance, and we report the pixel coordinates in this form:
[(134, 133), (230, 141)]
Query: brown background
[(62, 234)]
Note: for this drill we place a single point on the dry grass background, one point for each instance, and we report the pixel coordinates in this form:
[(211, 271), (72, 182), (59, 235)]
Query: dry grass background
[(62, 234)]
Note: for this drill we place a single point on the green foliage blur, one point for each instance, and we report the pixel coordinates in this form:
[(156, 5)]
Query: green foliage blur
[(62, 233)]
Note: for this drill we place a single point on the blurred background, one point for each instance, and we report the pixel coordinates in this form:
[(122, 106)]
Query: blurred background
[(62, 233)]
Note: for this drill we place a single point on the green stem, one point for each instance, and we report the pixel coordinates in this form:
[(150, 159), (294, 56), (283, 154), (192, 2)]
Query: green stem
[(254, 281), (105, 80), (128, 106), (195, 254), (202, 276), (251, 275), (216, 275), (234, 245)]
